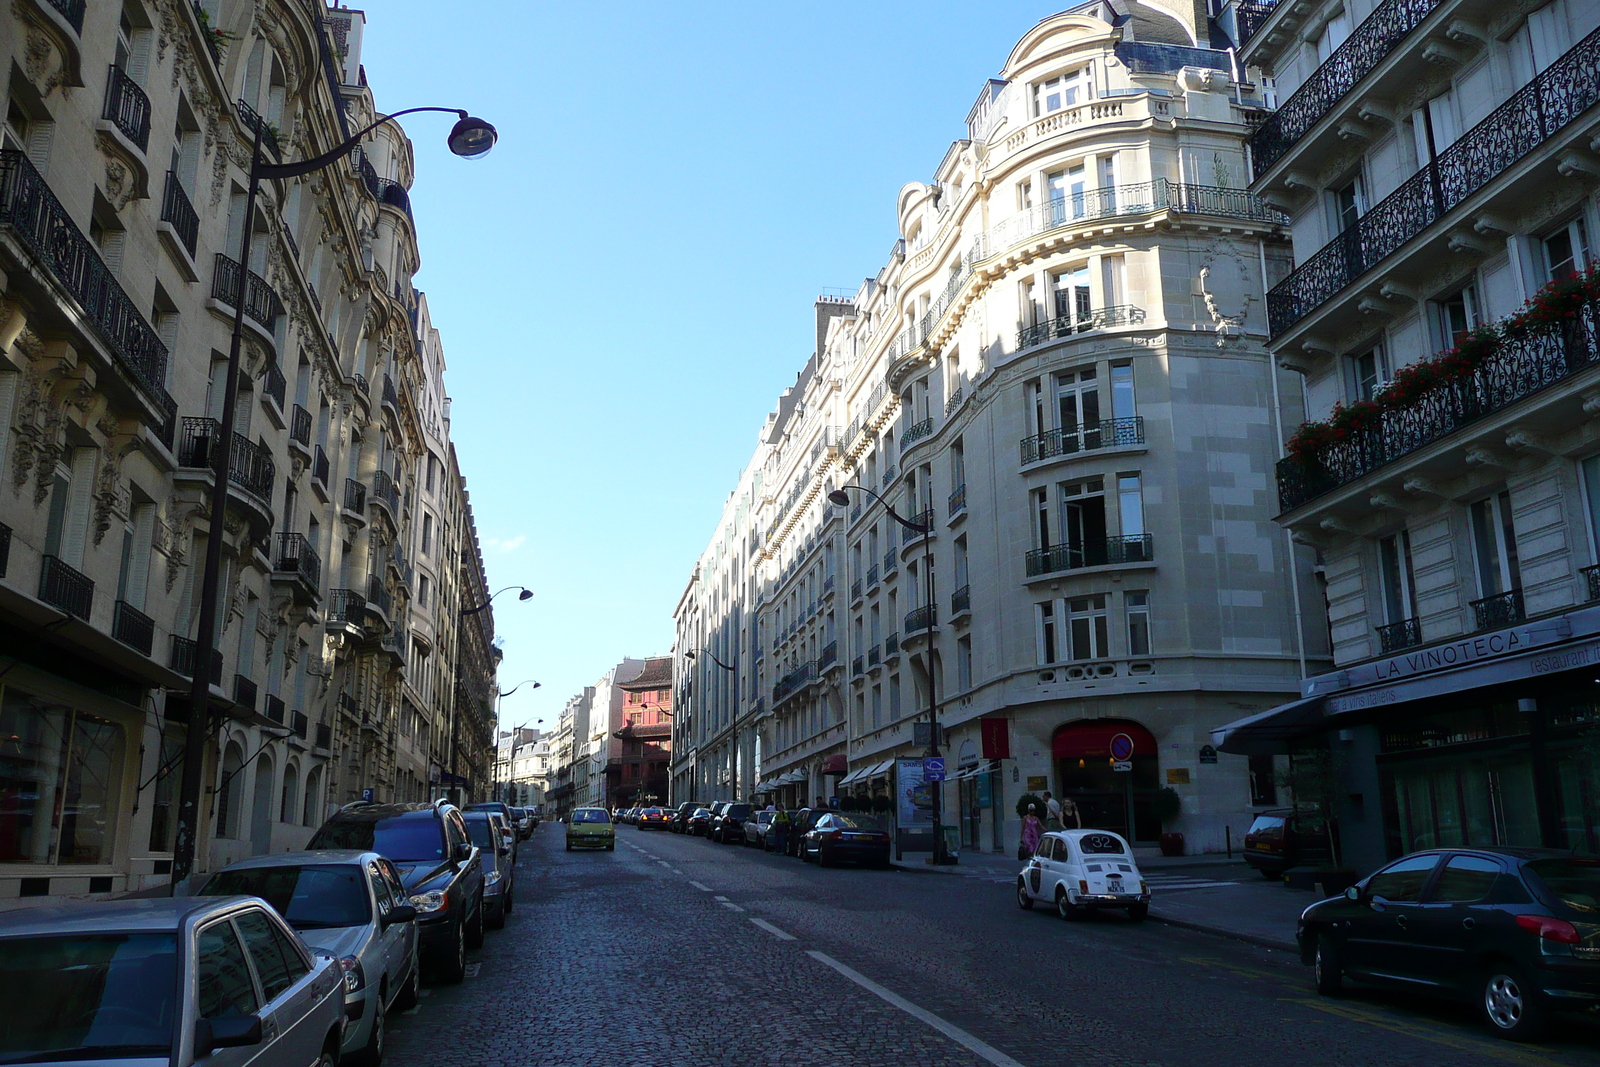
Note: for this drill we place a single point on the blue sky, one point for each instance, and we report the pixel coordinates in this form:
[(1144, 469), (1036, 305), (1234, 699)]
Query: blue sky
[(624, 285)]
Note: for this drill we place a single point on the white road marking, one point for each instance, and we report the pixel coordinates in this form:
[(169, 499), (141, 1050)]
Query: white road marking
[(676, 871), (664, 863), (720, 899), (731, 906), (702, 888), (781, 935), (979, 1048)]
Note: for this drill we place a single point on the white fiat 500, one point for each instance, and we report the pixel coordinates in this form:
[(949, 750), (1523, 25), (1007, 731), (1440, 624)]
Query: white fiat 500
[(1083, 869)]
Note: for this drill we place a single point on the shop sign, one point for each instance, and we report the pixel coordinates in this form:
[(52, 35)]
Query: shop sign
[(1468, 650), (996, 733), (366, 795)]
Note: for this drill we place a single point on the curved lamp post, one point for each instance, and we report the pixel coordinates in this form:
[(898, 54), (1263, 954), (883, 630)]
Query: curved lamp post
[(471, 138), (526, 594), (842, 499), (711, 656)]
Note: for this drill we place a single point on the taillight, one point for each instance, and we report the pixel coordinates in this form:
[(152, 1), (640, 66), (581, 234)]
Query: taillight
[(833, 835), (1083, 886), (1550, 929)]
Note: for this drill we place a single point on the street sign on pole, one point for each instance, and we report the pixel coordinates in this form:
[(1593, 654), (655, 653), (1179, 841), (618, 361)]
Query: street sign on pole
[(366, 794), (933, 769)]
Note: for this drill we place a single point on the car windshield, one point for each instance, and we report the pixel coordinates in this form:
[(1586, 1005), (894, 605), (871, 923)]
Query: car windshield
[(403, 839), (98, 995), (1573, 881), (308, 897), (1099, 845), (590, 815), (857, 822)]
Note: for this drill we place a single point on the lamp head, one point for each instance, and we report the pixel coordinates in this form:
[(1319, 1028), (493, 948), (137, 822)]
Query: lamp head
[(526, 594), (688, 655), (472, 137), (840, 497)]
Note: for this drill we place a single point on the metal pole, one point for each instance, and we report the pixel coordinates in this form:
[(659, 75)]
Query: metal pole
[(194, 751)]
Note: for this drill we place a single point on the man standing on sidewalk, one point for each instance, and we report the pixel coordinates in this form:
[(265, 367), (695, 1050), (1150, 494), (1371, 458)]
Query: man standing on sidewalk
[(1052, 812), (780, 832)]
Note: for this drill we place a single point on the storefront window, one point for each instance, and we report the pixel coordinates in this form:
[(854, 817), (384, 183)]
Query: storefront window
[(164, 802), (60, 782)]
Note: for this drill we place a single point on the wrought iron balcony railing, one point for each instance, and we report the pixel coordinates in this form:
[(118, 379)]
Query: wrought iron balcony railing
[(961, 600), (891, 646), (390, 397), (5, 548), (1502, 609), (830, 656), (324, 732), (256, 123), (1352, 61), (72, 11), (261, 303), (385, 492), (954, 401), (245, 692), (1535, 361), (1591, 581), (1534, 114), (1067, 325), (319, 467), (922, 518), (793, 682), (1249, 15), (179, 213), (274, 385), (345, 607), (914, 433), (361, 384), (394, 194), (1111, 433), (127, 107), (133, 627), (300, 425), (378, 598), (889, 473), (857, 667), (250, 466), (1407, 633), (1101, 552), (62, 587), (855, 589), (275, 709), (355, 496), (296, 556), (183, 656), (958, 499), (891, 563), (32, 212), (874, 657), (923, 618), (872, 577)]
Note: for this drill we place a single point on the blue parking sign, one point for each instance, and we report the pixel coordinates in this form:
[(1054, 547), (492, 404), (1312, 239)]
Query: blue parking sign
[(933, 769), (366, 794)]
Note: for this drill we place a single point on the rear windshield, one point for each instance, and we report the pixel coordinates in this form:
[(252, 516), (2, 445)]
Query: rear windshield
[(1265, 823), (590, 815), (308, 897), (407, 840), (100, 996), (482, 832), (701, 811), (1099, 845), (652, 811), (858, 822), (1573, 881), (739, 811)]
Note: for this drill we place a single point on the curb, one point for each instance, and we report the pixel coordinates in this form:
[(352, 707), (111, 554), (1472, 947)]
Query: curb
[(1233, 935)]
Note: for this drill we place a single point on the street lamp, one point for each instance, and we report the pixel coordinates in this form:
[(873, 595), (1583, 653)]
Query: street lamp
[(526, 594), (925, 531), (712, 656), (470, 138)]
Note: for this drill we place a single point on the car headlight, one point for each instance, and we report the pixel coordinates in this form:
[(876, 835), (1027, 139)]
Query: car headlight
[(434, 900), (355, 976), (491, 878)]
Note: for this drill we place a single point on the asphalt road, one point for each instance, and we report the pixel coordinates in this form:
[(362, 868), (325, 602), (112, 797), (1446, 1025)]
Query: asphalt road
[(673, 950)]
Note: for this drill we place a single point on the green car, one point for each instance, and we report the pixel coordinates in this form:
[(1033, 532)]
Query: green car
[(591, 828)]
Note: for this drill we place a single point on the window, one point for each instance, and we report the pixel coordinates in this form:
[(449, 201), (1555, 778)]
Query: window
[(1136, 605), (1394, 573), (1465, 880), (1047, 632), (894, 698), (1402, 881), (1263, 781), (1347, 204), (60, 765), (877, 706), (1333, 34), (1024, 195), (427, 534), (964, 663), (1455, 315), (278, 963), (1087, 629), (1083, 522), (1070, 296), (1067, 187), (1495, 545), (423, 591), (1130, 504), (1062, 91), (1041, 512), (223, 979), (1368, 372), (1566, 251)]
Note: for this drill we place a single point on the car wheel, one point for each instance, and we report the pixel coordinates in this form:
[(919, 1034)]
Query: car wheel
[(823, 859), (1269, 875), (1511, 1003), (1137, 912), (507, 903), (569, 846), (1329, 966), (1024, 901), (612, 847), (497, 917), (453, 967), (328, 1059), (411, 992), (474, 934), (371, 1054), (1065, 908)]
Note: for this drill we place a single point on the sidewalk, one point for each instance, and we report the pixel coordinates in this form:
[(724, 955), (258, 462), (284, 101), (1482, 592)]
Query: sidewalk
[(1210, 893)]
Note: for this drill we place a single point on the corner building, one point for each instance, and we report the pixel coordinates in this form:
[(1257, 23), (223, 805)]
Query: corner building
[(1437, 160), (1061, 369)]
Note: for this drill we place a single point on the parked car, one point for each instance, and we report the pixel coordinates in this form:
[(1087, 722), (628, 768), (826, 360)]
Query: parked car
[(728, 826), (166, 980), (1515, 930), (853, 836), (700, 822), (522, 822), (352, 906), (1080, 870), (652, 817), (1284, 838), (802, 820), (680, 817), (591, 828), (438, 864), (492, 805), (755, 828), (499, 869)]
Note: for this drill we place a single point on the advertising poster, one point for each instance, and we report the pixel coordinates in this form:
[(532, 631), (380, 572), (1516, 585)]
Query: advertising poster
[(913, 798)]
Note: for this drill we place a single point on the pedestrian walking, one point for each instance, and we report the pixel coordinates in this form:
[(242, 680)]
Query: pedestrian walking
[(1052, 812), (1069, 813), (780, 832), (1031, 832)]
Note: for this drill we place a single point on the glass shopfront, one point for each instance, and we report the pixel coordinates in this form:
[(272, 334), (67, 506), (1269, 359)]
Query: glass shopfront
[(60, 781)]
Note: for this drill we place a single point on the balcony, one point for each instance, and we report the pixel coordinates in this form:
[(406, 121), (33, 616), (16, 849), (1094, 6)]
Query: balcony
[(1529, 358), (1535, 113), (346, 608), (5, 548), (958, 500), (179, 213), (378, 598), (362, 385), (183, 657), (250, 466), (872, 577), (257, 124), (319, 468), (1110, 433), (394, 194), (857, 669), (891, 563), (72, 11), (1407, 633), (793, 682), (384, 492), (275, 710), (1101, 552), (355, 497), (300, 426), (1249, 15), (874, 657), (953, 402), (1067, 325), (299, 725), (244, 692), (133, 628), (914, 433), (855, 590), (961, 601), (297, 558), (62, 587), (891, 646), (37, 219), (1352, 61), (127, 108), (391, 399), (829, 657), (1591, 581), (923, 618), (261, 303), (1498, 611), (888, 478), (923, 519), (274, 385)]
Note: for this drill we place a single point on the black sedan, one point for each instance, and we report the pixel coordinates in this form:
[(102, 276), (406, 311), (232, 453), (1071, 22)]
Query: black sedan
[(728, 827), (699, 823), (1516, 930), (837, 836)]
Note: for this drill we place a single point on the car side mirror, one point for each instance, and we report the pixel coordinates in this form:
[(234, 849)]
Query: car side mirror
[(463, 852), (505, 851), (228, 1031), (1353, 893), (401, 913)]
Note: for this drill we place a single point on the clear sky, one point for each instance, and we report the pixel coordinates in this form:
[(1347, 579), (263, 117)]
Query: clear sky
[(625, 284)]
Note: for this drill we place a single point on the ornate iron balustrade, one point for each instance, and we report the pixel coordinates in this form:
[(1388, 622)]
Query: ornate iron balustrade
[(1407, 633), (1352, 61), (1591, 580), (63, 587), (275, 709), (274, 385), (1101, 552), (250, 466), (1110, 433), (954, 401), (244, 692), (1534, 114), (127, 108), (891, 563), (72, 11), (390, 397), (182, 659), (300, 425), (5, 548), (914, 433), (1521, 368), (1067, 325), (345, 607), (261, 303), (874, 658), (958, 499), (889, 473), (857, 667), (385, 492), (923, 618), (855, 589), (319, 467), (378, 598), (792, 682), (355, 496), (1249, 15), (827, 583), (394, 194), (829, 657), (891, 646), (361, 384), (297, 557), (961, 600), (872, 577), (369, 177), (45, 228), (179, 213), (256, 123), (1502, 609), (348, 705), (133, 627)]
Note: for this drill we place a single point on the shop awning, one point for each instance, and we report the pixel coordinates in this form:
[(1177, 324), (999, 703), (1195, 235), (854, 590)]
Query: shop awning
[(1268, 732), (834, 764), (853, 776)]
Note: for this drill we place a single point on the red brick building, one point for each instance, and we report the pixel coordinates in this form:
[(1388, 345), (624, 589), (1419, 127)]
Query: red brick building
[(641, 737)]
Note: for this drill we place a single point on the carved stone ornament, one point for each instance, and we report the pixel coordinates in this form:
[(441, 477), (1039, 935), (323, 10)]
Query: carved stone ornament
[(43, 60), (1226, 279)]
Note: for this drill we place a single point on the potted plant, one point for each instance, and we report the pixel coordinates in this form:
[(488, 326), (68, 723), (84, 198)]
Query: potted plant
[(1169, 805)]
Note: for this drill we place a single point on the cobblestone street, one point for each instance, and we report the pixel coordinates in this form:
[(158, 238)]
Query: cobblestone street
[(672, 950)]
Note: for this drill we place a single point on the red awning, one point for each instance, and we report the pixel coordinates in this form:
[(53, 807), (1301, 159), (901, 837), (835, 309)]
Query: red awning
[(1092, 739), (834, 764)]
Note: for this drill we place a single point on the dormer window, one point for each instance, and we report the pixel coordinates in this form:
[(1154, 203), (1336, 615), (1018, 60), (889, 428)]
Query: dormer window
[(1062, 91)]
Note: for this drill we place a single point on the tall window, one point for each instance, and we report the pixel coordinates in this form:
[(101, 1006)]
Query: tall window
[(1041, 512), (1070, 289), (877, 706), (427, 534), (1566, 251), (1136, 606), (1368, 372), (894, 698), (1087, 627), (1062, 91), (1067, 189), (1347, 204), (1078, 410), (1394, 572), (1122, 406), (1456, 314), (1047, 632), (1083, 522), (964, 663), (1130, 504), (1495, 545)]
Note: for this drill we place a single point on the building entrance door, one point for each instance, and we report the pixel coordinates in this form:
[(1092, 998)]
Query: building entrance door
[(1111, 793)]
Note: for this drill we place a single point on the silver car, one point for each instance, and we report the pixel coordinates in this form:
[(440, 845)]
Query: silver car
[(351, 905), (153, 983)]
